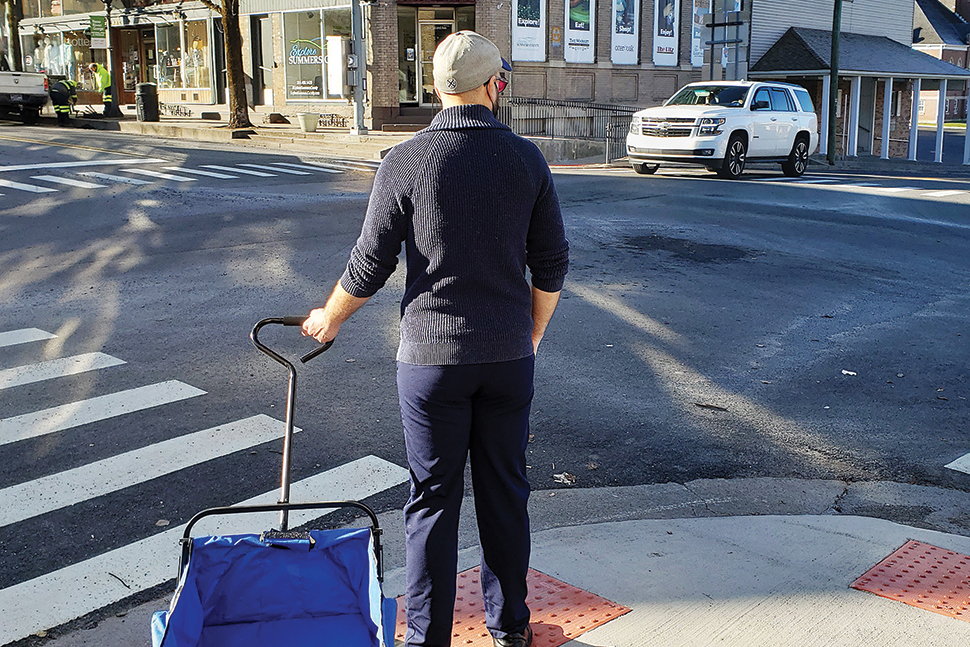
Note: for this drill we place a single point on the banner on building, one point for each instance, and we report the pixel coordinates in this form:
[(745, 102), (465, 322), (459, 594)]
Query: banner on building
[(99, 31), (580, 37), (625, 47), (666, 29), (698, 33), (529, 30)]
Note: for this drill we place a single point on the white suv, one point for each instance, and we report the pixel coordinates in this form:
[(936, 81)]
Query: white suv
[(723, 124)]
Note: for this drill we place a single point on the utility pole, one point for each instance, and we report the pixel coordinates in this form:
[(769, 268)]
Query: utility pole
[(359, 66), (834, 79)]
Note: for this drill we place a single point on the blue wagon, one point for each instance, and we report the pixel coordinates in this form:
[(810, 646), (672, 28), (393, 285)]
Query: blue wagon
[(319, 587)]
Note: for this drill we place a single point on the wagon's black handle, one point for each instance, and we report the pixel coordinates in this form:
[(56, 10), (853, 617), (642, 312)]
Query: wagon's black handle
[(286, 321)]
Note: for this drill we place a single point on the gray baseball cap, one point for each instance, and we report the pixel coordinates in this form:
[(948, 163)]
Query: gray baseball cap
[(465, 60)]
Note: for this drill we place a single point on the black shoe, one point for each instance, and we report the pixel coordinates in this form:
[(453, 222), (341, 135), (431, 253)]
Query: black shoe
[(523, 639)]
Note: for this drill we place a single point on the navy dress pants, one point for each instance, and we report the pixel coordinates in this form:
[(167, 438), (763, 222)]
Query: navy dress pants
[(450, 413)]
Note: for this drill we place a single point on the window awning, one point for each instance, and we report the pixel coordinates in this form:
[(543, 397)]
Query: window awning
[(807, 52)]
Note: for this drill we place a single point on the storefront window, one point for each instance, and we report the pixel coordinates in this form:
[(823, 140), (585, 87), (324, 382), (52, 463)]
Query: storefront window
[(42, 53), (407, 79), (314, 63), (304, 58), (191, 71), (196, 60), (169, 56), (61, 55), (465, 17), (76, 54)]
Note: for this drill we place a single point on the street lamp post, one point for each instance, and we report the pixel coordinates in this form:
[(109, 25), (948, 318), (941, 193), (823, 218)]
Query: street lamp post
[(360, 62), (114, 110)]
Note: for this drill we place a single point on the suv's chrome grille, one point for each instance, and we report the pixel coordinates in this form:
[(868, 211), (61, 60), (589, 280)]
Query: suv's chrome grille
[(668, 128)]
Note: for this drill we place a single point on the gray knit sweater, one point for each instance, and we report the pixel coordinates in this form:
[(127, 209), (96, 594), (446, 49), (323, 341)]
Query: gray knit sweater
[(474, 205)]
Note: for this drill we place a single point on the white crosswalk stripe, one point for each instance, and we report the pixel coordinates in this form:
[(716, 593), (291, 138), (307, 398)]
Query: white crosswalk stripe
[(83, 412), (96, 162), (194, 171), (63, 595), (361, 164), (160, 175), (943, 194), (66, 181), (262, 167), (238, 170), (342, 167), (24, 336), (59, 490), (114, 178), (307, 167), (30, 188), (54, 368)]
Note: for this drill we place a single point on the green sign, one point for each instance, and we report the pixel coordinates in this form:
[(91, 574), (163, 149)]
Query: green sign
[(99, 31)]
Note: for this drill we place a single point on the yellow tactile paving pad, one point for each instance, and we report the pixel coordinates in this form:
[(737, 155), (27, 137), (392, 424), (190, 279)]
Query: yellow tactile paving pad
[(560, 612), (922, 576)]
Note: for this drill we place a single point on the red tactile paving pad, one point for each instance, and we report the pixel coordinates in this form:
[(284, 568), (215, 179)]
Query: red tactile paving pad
[(923, 576), (559, 611)]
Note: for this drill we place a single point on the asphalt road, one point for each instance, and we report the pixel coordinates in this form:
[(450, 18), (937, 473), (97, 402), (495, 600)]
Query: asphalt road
[(708, 329)]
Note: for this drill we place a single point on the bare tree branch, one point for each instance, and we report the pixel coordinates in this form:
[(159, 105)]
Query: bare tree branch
[(215, 7)]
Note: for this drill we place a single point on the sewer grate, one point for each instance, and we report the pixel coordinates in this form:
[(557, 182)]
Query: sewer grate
[(559, 612), (922, 576)]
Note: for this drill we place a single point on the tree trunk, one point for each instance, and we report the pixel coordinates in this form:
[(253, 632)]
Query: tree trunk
[(15, 54), (235, 78)]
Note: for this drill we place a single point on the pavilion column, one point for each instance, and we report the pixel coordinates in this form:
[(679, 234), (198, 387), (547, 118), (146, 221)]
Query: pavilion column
[(914, 121), (966, 137), (887, 116), (852, 149), (823, 142), (940, 118)]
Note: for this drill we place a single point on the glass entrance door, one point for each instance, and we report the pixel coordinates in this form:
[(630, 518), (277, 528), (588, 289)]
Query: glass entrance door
[(429, 35)]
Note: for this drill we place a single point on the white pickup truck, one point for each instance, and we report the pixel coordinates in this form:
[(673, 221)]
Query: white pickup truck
[(725, 124), (24, 93)]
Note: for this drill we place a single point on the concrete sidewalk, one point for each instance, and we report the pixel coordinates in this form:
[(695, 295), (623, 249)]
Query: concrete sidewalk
[(746, 563), (336, 142)]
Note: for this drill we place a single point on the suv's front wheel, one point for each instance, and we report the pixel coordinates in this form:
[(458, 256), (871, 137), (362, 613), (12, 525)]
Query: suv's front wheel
[(645, 169), (797, 160), (733, 164)]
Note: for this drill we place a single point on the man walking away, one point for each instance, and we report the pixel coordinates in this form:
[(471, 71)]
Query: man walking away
[(102, 84), (475, 207), (64, 96)]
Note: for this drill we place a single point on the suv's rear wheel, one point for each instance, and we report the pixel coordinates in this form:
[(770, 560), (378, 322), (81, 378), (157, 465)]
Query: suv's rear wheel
[(645, 169), (733, 164), (797, 160)]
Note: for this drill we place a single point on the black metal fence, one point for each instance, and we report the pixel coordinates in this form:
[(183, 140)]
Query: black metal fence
[(569, 120)]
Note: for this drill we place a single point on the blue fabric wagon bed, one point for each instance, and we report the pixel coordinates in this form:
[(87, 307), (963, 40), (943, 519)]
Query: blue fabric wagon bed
[(246, 591)]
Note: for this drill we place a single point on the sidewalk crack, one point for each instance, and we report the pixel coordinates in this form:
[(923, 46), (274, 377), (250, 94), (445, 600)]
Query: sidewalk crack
[(836, 508), (699, 499)]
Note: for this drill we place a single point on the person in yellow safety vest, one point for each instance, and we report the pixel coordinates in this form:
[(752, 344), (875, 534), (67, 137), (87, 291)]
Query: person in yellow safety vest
[(64, 96), (102, 83)]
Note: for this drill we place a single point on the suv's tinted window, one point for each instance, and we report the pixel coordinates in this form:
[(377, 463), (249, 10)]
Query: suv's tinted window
[(762, 95), (714, 95), (804, 100), (780, 100)]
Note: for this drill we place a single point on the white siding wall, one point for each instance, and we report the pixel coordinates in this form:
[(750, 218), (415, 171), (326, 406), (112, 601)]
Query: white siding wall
[(772, 18)]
